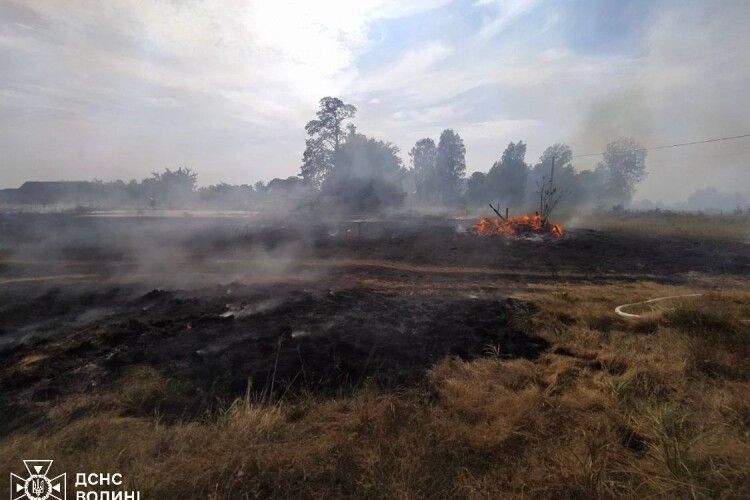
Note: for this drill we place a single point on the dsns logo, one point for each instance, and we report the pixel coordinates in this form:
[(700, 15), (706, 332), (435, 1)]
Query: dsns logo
[(37, 486)]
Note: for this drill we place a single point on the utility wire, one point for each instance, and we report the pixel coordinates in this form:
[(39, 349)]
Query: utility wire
[(668, 146)]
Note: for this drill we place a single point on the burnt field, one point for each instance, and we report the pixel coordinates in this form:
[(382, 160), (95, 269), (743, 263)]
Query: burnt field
[(227, 306), (225, 309)]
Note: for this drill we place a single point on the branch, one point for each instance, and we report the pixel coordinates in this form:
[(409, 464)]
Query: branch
[(495, 210)]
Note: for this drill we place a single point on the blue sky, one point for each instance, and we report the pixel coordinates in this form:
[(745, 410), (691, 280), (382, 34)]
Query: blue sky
[(119, 89)]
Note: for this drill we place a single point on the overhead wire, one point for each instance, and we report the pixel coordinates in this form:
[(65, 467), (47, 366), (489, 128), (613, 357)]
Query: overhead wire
[(669, 146)]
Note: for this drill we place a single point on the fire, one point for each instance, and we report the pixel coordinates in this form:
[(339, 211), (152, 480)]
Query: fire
[(522, 225)]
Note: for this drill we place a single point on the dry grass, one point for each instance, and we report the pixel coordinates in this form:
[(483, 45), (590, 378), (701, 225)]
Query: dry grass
[(651, 408), (661, 223)]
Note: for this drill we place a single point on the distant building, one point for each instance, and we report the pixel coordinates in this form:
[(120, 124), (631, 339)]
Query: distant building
[(51, 192)]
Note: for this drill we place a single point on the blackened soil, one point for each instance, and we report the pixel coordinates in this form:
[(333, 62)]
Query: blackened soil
[(419, 241), (222, 342), (353, 303)]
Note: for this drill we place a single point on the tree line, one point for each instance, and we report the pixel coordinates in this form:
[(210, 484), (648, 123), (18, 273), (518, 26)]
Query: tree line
[(365, 173), (344, 169), (170, 189)]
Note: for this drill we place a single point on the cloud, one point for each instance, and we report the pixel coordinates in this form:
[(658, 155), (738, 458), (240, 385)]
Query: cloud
[(236, 72), (107, 90), (408, 72), (503, 13)]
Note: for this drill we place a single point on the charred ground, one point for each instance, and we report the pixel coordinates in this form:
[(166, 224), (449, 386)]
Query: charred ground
[(221, 342), (319, 307), (207, 311)]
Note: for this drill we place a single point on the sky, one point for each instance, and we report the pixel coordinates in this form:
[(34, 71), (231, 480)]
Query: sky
[(122, 88)]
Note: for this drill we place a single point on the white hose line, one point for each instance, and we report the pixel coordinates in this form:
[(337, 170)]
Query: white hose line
[(58, 277), (619, 309)]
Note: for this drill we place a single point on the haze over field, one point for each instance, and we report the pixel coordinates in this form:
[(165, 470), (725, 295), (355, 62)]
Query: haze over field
[(107, 90), (375, 249)]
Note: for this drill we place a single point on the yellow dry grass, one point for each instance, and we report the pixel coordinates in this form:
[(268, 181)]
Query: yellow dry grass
[(615, 408), (673, 224)]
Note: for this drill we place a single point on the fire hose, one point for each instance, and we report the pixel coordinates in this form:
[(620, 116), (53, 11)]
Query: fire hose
[(619, 309)]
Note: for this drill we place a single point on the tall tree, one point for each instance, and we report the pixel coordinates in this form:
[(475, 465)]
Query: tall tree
[(561, 156), (450, 166), (477, 192), (367, 175), (507, 177), (175, 187), (365, 157), (560, 153), (623, 166), (326, 134), (424, 161)]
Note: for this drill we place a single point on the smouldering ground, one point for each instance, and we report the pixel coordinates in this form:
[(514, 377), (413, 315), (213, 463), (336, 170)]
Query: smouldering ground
[(547, 394)]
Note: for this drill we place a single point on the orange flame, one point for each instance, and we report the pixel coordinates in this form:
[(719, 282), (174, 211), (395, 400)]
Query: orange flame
[(522, 225)]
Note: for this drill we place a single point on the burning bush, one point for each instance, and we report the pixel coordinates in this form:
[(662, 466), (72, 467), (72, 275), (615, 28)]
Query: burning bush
[(527, 225), (522, 225)]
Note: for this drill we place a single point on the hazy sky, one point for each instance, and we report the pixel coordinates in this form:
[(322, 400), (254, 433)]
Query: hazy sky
[(118, 89)]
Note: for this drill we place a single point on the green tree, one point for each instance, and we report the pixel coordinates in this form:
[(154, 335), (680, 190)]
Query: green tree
[(450, 166), (175, 187), (477, 193), (507, 177), (560, 153), (424, 161), (565, 177), (367, 174), (326, 134), (623, 166)]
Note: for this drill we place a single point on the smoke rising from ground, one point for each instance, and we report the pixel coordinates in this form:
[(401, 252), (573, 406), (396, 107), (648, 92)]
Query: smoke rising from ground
[(689, 85), (157, 251)]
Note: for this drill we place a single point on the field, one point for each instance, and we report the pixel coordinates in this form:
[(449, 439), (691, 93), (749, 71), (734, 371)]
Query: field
[(236, 357)]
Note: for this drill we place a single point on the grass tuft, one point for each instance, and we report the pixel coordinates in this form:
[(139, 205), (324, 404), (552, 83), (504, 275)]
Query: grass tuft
[(606, 412)]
